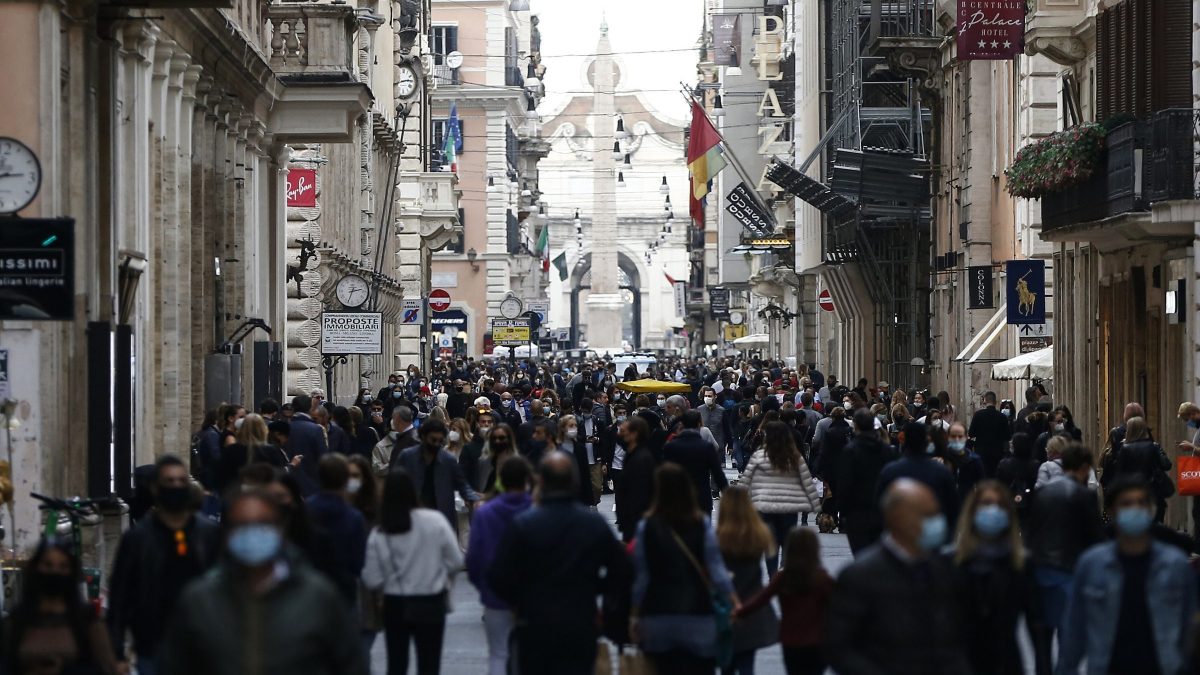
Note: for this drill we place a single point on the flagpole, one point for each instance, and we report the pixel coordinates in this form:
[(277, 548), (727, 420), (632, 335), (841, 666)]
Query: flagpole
[(737, 165)]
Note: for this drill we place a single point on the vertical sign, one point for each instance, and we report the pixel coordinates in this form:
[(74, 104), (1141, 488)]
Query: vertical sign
[(302, 188), (412, 311), (1025, 290), (980, 288), (718, 299), (681, 298), (541, 308), (727, 35), (5, 384), (990, 29)]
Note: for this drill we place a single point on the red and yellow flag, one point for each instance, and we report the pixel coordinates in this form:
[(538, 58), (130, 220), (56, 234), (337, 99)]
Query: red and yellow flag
[(705, 159)]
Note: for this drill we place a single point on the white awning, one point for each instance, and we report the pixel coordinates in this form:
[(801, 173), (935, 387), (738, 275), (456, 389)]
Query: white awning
[(1001, 315), (756, 340), (988, 340), (1037, 365)]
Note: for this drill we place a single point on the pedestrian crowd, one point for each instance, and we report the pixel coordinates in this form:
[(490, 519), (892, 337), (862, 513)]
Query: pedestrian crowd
[(295, 537)]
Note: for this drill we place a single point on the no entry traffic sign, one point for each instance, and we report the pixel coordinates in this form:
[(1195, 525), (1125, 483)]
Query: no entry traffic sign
[(825, 300), (439, 300)]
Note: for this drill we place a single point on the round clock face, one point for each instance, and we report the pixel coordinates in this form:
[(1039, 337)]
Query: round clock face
[(406, 81), (511, 308), (352, 291), (20, 175), (736, 318)]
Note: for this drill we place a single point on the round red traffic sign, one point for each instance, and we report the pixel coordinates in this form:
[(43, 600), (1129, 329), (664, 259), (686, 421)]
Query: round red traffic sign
[(825, 300), (439, 300)]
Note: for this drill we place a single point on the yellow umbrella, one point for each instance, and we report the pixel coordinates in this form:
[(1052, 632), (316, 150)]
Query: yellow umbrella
[(654, 387)]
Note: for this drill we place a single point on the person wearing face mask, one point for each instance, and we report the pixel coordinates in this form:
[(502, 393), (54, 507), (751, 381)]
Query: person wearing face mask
[(1133, 599), (52, 630), (472, 452), (306, 440), (894, 609), (966, 466), (856, 476), (509, 410), (435, 472), (261, 605), (329, 511), (402, 437), (995, 581), (917, 462), (991, 431), (155, 560), (712, 416), (537, 418)]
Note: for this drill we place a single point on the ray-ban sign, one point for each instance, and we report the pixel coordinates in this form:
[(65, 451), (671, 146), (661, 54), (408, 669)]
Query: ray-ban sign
[(302, 188)]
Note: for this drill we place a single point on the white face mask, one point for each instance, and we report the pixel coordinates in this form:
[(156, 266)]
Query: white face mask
[(237, 424), (708, 400), (354, 485), (573, 433), (453, 436), (662, 401)]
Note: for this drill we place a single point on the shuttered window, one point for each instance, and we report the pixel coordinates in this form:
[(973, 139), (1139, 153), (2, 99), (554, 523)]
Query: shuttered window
[(1143, 59)]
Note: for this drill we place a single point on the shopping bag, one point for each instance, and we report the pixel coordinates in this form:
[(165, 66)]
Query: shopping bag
[(634, 662), (1189, 475)]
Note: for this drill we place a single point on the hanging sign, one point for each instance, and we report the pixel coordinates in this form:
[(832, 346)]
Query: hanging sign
[(511, 332), (1025, 289), (979, 288), (718, 303), (302, 188), (727, 35), (746, 211), (37, 269), (352, 333), (680, 298), (990, 29)]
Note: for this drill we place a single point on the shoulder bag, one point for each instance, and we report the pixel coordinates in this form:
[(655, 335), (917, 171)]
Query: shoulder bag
[(722, 609)]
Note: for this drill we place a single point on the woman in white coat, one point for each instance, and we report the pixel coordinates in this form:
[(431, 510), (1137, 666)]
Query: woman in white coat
[(781, 486)]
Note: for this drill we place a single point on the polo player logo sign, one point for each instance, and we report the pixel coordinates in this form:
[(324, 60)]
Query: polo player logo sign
[(1025, 286)]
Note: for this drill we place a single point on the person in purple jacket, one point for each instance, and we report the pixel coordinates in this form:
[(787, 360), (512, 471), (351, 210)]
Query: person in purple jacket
[(487, 529)]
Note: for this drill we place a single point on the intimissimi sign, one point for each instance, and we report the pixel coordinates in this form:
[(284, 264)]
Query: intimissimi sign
[(990, 29)]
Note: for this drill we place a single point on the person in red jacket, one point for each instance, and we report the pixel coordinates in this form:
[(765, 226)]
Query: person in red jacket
[(804, 589)]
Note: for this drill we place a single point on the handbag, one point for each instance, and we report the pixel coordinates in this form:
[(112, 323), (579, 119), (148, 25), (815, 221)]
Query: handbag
[(370, 605), (722, 609), (1188, 476)]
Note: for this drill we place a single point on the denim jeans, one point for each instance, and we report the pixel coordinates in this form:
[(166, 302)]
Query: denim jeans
[(1055, 585), (498, 624), (742, 664), (779, 524)]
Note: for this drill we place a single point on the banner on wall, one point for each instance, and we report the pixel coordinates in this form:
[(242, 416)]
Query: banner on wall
[(990, 29), (726, 36), (302, 188)]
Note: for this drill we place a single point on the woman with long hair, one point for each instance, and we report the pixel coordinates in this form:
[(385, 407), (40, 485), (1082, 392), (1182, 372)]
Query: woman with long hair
[(781, 485), (568, 441), (804, 589), (996, 584), (411, 556), (1140, 458), (362, 490), (501, 444), (458, 436), (229, 415), (744, 539), (363, 437), (52, 630), (677, 569), (252, 445)]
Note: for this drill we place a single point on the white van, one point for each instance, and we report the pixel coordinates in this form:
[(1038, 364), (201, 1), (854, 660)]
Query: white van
[(643, 362)]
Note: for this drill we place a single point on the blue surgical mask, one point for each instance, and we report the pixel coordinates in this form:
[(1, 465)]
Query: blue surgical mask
[(930, 449), (1134, 521), (991, 520), (397, 394), (253, 545), (1007, 412), (958, 447), (1193, 424), (933, 533)]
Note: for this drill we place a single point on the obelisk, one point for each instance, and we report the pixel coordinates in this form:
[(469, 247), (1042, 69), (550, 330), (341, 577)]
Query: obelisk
[(604, 304)]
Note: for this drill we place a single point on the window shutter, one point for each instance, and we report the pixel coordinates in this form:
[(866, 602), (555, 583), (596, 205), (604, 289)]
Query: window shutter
[(1172, 77), (1143, 57)]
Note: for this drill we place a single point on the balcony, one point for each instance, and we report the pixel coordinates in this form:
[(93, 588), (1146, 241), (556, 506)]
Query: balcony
[(904, 32), (432, 197), (311, 51), (1144, 189), (1054, 29), (445, 76)]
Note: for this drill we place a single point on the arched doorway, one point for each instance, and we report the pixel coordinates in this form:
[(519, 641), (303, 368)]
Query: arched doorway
[(629, 282)]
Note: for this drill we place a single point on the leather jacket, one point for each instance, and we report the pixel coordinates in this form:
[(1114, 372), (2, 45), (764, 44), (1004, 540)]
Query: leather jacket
[(1063, 523)]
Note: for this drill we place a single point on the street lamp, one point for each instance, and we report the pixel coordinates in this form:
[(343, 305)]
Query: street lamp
[(620, 128), (718, 107), (665, 189), (616, 153), (620, 179), (628, 163)]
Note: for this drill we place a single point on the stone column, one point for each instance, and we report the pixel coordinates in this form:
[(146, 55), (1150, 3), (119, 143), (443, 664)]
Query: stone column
[(604, 299)]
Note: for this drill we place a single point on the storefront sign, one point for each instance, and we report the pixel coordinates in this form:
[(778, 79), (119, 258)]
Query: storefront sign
[(980, 288), (511, 332), (1032, 344), (1025, 290), (718, 303), (302, 188), (990, 29), (450, 321), (733, 332), (37, 269), (727, 36), (743, 207), (352, 333)]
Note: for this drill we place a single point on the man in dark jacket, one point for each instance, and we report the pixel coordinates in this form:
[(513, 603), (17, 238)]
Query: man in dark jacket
[(472, 452), (331, 512), (261, 610), (435, 472), (553, 562), (698, 458), (1021, 424), (918, 463), (155, 560), (857, 475), (894, 609), (306, 440), (537, 418), (991, 433), (635, 489)]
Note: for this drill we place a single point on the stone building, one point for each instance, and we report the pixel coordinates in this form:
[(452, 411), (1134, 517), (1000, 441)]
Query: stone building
[(166, 133)]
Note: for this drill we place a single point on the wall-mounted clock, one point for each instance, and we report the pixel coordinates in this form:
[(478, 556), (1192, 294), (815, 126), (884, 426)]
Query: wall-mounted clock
[(352, 291), (20, 175), (737, 318), (511, 307), (406, 81)]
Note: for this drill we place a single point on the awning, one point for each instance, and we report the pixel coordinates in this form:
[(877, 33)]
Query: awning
[(756, 340), (654, 387), (987, 334), (763, 245), (1037, 365)]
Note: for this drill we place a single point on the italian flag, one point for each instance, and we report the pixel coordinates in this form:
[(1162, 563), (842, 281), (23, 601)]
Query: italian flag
[(543, 247)]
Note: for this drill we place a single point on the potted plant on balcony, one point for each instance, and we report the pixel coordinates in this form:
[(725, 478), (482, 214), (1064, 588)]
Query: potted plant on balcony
[(1059, 161)]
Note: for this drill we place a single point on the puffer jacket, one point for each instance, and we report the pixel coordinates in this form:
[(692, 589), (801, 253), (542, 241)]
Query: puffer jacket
[(774, 491)]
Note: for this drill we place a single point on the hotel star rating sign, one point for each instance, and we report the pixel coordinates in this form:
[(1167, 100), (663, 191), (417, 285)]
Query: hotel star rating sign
[(990, 29)]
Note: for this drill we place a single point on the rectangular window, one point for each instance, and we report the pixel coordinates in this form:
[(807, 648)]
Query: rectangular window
[(442, 41), (439, 140), (1143, 63), (456, 244)]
